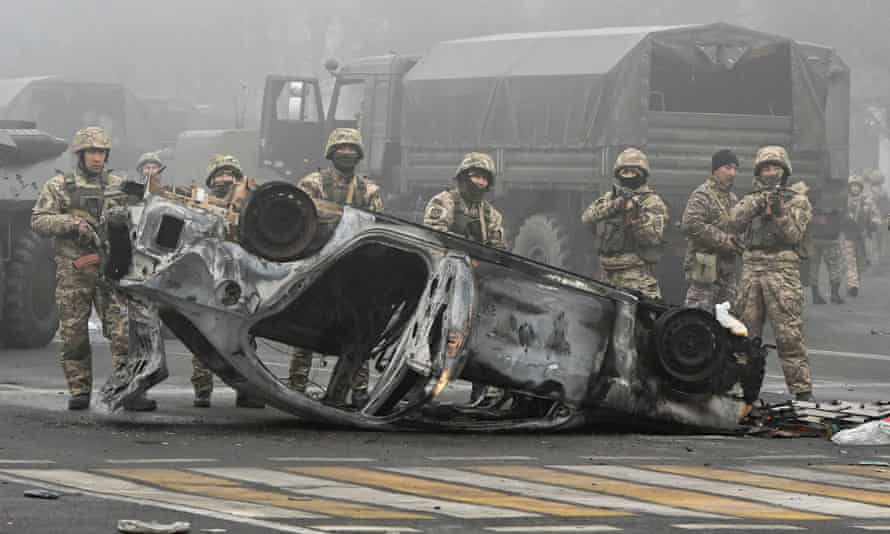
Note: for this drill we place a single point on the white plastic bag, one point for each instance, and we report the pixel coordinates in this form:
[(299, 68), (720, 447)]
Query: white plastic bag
[(871, 433), (726, 320)]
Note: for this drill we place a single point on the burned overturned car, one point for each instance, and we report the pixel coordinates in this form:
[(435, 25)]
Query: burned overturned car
[(424, 308)]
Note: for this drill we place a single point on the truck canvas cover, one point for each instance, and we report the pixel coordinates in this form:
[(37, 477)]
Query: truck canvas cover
[(593, 88)]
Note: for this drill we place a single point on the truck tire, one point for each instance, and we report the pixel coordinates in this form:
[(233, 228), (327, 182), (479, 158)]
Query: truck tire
[(544, 239), (31, 316)]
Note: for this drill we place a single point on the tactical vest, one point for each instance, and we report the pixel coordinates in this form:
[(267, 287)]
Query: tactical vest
[(469, 225), (762, 234), (617, 238), (87, 199), (354, 194)]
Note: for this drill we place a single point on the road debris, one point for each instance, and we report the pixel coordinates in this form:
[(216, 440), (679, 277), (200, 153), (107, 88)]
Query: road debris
[(135, 526), (794, 419), (871, 433), (41, 493)]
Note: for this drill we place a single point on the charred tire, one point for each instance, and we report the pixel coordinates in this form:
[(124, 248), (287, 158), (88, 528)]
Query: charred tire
[(690, 347), (31, 316), (278, 222), (544, 239)]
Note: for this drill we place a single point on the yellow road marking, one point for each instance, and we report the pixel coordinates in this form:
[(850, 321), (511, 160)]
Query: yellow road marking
[(691, 500), (874, 471), (784, 484), (453, 492), (227, 489)]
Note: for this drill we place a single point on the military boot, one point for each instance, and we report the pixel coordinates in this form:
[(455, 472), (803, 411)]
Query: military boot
[(804, 396), (80, 401), (202, 399), (836, 294), (853, 292), (817, 297), (243, 400), (140, 404)]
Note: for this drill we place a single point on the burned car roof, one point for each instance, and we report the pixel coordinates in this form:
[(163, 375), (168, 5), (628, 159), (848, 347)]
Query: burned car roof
[(425, 309)]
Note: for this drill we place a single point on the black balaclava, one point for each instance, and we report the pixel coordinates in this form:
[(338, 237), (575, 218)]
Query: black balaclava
[(345, 162)]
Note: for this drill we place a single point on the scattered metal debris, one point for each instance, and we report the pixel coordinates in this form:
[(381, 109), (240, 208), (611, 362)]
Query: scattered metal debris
[(813, 419), (135, 526), (41, 493)]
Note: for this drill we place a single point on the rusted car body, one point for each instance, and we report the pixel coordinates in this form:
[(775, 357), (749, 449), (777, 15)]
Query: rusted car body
[(425, 308)]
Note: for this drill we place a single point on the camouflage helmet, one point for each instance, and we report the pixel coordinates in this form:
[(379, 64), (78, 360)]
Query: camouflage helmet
[(90, 137), (344, 136), (223, 161), (148, 157), (477, 160), (775, 155), (875, 177), (632, 157), (855, 179)]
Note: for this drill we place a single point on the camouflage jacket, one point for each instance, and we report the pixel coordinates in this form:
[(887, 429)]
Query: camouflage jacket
[(358, 192), (639, 230), (64, 201), (449, 212), (862, 216), (772, 238), (706, 225)]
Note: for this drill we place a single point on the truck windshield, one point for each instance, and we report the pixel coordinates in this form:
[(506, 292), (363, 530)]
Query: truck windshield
[(350, 99)]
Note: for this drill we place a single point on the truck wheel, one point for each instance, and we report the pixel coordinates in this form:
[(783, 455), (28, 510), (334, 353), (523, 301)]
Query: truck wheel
[(31, 315), (544, 239)]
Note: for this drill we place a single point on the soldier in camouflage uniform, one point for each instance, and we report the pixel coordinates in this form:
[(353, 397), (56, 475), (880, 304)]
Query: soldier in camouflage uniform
[(862, 219), (69, 210), (634, 218), (824, 235), (713, 250), (773, 220), (338, 183), (463, 210), (882, 204), (150, 166), (223, 174)]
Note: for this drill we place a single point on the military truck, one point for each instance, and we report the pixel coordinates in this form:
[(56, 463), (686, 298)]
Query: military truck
[(554, 110), (28, 312)]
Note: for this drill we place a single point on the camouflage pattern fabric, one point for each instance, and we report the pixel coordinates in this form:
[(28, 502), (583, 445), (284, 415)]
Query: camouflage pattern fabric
[(631, 157), (327, 184), (773, 154), (854, 260), (57, 214), (639, 277), (481, 161), (90, 137), (706, 225), (355, 191), (641, 227), (344, 136), (202, 378), (77, 291), (445, 211), (770, 286), (828, 251)]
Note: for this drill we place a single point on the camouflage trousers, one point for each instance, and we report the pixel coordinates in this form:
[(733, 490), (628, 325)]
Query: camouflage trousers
[(770, 290), (641, 277), (855, 260), (301, 366), (77, 291), (828, 251), (706, 296), (202, 378)]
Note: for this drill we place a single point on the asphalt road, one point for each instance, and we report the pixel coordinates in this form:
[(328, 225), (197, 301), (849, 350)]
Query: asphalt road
[(240, 470)]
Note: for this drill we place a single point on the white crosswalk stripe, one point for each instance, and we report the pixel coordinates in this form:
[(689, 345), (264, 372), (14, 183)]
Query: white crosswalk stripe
[(824, 477), (545, 491), (787, 499), (319, 487)]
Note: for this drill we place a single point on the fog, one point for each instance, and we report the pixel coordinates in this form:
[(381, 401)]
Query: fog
[(217, 53)]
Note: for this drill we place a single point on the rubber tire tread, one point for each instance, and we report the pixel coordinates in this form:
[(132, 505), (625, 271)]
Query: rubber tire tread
[(22, 327)]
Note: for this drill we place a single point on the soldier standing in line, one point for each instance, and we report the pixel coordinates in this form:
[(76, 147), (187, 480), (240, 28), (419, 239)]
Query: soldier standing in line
[(774, 220), (224, 173), (634, 218), (825, 236), (713, 250), (339, 184), (862, 219), (69, 209), (463, 210)]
